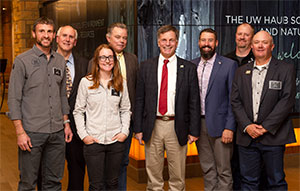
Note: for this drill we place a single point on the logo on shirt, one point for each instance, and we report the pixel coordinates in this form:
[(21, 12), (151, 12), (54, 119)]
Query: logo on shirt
[(57, 71), (114, 92), (35, 63)]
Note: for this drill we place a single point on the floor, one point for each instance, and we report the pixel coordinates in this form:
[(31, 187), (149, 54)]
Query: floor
[(9, 174)]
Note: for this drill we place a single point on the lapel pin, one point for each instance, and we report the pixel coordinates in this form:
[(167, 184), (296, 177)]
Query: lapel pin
[(248, 72), (181, 66), (220, 63)]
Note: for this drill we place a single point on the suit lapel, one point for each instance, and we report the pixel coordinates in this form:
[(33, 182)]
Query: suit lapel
[(153, 75), (180, 76), (248, 77), (76, 80), (216, 67), (127, 66), (271, 71)]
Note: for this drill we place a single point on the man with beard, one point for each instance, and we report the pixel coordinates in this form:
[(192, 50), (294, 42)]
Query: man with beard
[(215, 75), (39, 110), (243, 36)]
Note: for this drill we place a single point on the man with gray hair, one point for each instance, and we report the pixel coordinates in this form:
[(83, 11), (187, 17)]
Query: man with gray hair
[(262, 97), (167, 111), (76, 68)]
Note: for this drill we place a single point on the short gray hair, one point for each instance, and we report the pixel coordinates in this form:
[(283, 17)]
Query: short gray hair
[(59, 30)]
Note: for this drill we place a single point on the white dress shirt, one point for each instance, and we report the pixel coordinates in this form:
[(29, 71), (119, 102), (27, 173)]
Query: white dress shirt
[(172, 76)]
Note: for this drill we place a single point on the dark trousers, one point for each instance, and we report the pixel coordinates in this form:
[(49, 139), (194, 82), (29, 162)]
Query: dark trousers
[(125, 162), (76, 164), (47, 153), (103, 165), (235, 167), (253, 157)]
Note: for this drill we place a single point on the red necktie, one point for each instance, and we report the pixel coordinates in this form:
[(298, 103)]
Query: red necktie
[(163, 95)]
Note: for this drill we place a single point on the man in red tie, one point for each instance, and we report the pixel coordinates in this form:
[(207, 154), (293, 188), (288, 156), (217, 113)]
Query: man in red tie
[(167, 111)]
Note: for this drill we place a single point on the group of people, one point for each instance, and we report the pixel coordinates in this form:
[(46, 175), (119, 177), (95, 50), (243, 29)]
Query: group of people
[(235, 109)]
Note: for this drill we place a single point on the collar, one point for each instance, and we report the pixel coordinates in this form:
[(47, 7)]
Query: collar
[(119, 55), (265, 66), (171, 59), (39, 52), (71, 59), (209, 61)]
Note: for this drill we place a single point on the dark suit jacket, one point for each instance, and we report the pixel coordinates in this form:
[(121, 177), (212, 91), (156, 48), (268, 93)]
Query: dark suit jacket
[(131, 63), (218, 112), (132, 67), (81, 69), (187, 102), (275, 105)]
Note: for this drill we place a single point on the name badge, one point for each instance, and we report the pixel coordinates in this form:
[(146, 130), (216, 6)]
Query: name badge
[(115, 93), (275, 85), (57, 71)]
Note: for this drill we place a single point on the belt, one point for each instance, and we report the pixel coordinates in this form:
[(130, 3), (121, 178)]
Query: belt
[(165, 118), (203, 116)]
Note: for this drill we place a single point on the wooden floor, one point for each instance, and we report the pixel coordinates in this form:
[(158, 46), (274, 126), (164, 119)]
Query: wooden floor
[(9, 174)]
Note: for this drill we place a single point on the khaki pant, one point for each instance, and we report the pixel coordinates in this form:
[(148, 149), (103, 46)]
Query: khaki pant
[(215, 161), (164, 138)]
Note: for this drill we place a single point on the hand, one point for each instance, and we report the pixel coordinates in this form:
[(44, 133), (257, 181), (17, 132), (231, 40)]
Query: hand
[(254, 130), (262, 129), (192, 139), (121, 137), (68, 133), (139, 137), (227, 136), (88, 140), (24, 142)]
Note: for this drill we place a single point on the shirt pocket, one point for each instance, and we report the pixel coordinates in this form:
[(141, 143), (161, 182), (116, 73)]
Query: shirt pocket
[(95, 98), (35, 76), (58, 74)]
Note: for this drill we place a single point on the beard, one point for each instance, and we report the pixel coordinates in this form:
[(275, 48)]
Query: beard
[(39, 42), (207, 54)]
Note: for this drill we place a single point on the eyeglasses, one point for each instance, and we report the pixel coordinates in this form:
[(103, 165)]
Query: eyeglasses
[(104, 58)]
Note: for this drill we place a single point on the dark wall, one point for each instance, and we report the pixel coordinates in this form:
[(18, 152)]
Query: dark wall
[(281, 18)]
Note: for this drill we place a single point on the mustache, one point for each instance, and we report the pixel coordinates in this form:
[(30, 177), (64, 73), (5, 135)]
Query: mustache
[(207, 46)]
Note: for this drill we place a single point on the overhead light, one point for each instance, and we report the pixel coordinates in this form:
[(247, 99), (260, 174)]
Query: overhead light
[(4, 8)]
